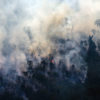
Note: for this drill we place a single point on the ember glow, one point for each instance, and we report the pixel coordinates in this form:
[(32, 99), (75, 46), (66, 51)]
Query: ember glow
[(48, 43)]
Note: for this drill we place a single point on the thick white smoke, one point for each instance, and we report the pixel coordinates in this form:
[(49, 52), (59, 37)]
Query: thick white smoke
[(28, 26)]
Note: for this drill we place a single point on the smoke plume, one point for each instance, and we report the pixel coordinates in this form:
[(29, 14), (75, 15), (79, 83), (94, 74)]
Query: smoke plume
[(31, 27)]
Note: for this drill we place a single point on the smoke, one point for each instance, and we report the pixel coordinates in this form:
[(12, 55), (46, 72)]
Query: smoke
[(29, 26), (84, 14), (53, 33), (25, 27)]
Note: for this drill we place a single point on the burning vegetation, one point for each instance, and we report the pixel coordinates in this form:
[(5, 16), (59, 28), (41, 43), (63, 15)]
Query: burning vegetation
[(49, 51), (52, 78)]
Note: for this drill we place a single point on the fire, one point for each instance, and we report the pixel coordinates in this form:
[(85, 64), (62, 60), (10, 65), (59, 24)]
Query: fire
[(52, 61)]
